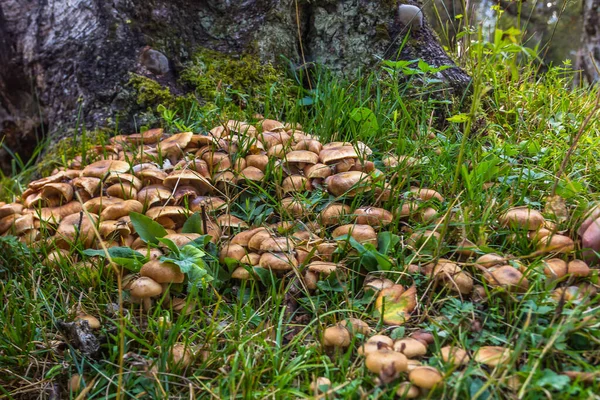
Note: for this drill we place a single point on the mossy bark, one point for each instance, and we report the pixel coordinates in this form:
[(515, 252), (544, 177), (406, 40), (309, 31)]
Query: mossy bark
[(65, 61)]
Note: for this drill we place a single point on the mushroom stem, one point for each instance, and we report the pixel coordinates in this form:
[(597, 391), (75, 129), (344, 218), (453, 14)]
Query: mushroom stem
[(147, 303), (166, 294)]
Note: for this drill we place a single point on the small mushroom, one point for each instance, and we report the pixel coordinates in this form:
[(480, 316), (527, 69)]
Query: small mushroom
[(144, 289), (410, 347), (336, 336), (454, 355), (492, 356), (522, 218), (386, 360), (425, 377)]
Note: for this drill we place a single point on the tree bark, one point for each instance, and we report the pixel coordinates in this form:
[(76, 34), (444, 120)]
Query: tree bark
[(64, 60), (589, 54)]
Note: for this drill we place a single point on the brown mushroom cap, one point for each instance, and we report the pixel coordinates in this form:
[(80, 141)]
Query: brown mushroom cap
[(175, 144), (150, 136), (406, 390), (453, 277), (317, 171), (425, 377), (259, 161), (355, 325), (361, 233), (278, 261), (100, 169), (333, 214), (121, 209), (507, 277), (302, 157), (145, 287), (252, 174), (490, 260), (492, 356), (257, 238), (386, 360), (522, 218), (180, 356), (231, 221), (454, 355), (426, 194), (176, 213), (188, 178), (348, 183), (76, 226), (277, 244), (181, 239), (162, 272), (555, 268), (10, 209), (410, 347), (232, 250), (295, 183), (578, 268), (322, 267), (332, 155), (556, 244), (336, 336), (373, 216)]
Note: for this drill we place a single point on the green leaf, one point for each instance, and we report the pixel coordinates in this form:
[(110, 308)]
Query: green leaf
[(171, 245), (188, 257), (148, 229), (366, 119), (387, 241), (193, 224), (123, 256), (459, 118)]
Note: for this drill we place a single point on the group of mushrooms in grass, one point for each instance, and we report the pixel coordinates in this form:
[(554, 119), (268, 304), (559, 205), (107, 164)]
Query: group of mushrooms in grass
[(169, 177)]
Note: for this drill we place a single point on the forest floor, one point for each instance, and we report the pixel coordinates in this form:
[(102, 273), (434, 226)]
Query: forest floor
[(502, 147)]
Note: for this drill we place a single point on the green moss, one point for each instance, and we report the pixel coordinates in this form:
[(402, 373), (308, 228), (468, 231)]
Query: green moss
[(243, 79), (151, 93)]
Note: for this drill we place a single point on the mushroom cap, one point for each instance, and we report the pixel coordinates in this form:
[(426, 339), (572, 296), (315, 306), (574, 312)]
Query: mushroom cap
[(317, 171), (410, 347), (336, 336), (232, 250), (125, 191), (88, 184), (61, 191), (229, 221), (257, 238), (425, 377), (355, 325), (555, 268), (210, 203), (492, 356), (244, 237), (302, 157), (176, 213), (578, 268), (322, 267), (151, 176), (490, 260), (162, 272), (522, 218), (259, 161), (333, 214), (92, 321), (277, 244), (556, 244), (181, 239), (348, 183), (386, 360), (121, 209), (180, 356), (426, 194), (97, 204), (119, 178), (241, 274), (278, 261), (361, 233), (295, 183), (507, 277), (454, 355), (271, 125), (406, 390), (113, 228), (100, 169), (453, 277), (154, 194), (294, 207), (175, 144), (252, 174), (308, 144), (188, 178), (77, 226), (10, 209), (373, 216), (320, 383), (250, 259), (145, 287), (150, 136), (332, 155)]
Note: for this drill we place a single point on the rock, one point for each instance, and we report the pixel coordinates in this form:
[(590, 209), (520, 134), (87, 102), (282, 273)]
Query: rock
[(154, 61)]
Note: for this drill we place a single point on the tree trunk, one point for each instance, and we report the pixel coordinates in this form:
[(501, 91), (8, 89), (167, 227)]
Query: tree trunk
[(64, 60), (589, 53)]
